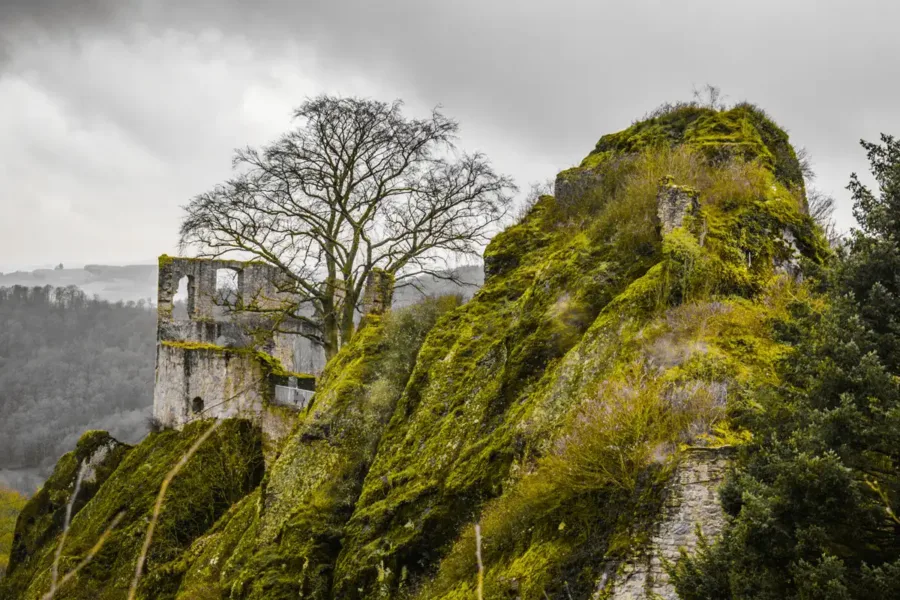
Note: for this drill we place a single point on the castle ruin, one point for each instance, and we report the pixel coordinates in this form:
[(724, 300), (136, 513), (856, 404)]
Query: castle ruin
[(232, 351)]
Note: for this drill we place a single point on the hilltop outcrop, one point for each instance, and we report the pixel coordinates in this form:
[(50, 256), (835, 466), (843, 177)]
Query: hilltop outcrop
[(576, 408)]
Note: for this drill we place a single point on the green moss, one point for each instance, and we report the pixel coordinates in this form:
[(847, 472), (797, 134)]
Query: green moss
[(508, 247), (223, 471), (563, 308), (500, 417), (211, 557), (271, 365), (11, 504), (284, 543), (44, 515), (274, 367), (164, 261), (744, 131), (190, 345)]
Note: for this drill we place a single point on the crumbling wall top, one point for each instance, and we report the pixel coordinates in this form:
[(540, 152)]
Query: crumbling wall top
[(259, 286), (674, 203)]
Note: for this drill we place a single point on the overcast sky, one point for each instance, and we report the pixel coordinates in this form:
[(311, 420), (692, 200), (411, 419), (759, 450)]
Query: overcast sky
[(113, 113)]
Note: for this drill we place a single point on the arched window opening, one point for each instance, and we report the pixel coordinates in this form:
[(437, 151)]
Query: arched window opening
[(228, 287), (183, 302), (197, 405)]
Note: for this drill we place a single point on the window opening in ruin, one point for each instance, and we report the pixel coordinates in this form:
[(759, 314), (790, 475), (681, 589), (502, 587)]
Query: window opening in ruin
[(228, 287), (197, 405), (183, 302)]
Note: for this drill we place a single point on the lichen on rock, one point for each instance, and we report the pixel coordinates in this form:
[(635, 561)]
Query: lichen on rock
[(620, 325)]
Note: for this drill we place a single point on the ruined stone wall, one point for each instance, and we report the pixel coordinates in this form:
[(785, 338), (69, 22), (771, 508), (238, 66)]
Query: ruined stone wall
[(227, 384), (238, 322), (378, 293), (691, 499), (258, 284), (207, 365), (674, 203), (212, 360)]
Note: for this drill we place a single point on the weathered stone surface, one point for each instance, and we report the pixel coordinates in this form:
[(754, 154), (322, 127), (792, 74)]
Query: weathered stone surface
[(378, 293), (227, 357), (674, 203), (227, 384), (789, 263), (691, 500), (572, 185), (213, 364), (240, 320)]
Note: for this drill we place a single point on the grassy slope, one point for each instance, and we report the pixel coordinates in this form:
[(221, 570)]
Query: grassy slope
[(11, 504), (224, 470)]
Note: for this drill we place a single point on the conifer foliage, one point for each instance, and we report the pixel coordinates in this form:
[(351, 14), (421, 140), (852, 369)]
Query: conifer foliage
[(815, 499)]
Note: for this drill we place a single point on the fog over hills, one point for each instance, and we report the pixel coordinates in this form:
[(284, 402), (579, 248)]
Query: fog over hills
[(138, 282), (111, 283)]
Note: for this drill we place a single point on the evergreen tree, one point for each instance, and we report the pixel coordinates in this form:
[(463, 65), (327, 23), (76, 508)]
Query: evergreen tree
[(815, 499)]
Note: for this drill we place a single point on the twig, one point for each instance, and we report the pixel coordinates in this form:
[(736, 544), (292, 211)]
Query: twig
[(90, 556), (478, 558), (885, 500), (139, 569), (54, 580)]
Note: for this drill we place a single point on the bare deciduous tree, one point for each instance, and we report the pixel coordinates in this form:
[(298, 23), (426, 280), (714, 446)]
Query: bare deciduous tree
[(356, 186), (821, 209)]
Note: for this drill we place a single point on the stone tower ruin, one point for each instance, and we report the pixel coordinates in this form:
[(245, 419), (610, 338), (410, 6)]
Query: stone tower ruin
[(228, 355)]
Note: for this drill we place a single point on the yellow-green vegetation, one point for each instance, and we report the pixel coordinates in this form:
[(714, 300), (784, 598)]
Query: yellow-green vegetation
[(42, 517), (225, 469), (283, 544), (573, 315), (192, 345), (11, 504), (166, 260), (744, 132), (552, 406), (271, 364), (593, 494)]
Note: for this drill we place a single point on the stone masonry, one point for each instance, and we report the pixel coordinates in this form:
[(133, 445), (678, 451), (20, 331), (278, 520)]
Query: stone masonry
[(236, 352), (691, 499), (227, 358), (674, 203), (378, 292)]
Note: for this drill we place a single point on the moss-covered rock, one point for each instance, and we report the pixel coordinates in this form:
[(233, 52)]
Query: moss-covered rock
[(283, 541), (222, 471), (551, 408), (568, 304), (98, 454)]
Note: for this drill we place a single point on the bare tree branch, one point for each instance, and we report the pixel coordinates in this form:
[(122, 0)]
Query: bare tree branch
[(356, 186)]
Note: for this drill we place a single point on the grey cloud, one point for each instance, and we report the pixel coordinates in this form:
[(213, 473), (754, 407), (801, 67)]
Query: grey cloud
[(555, 72), (535, 83), (62, 14)]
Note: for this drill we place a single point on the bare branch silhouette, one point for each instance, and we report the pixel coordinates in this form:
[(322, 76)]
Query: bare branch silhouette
[(88, 558), (157, 508), (54, 578), (355, 187)]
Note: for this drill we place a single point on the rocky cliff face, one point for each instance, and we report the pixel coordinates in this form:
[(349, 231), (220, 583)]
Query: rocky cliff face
[(575, 409)]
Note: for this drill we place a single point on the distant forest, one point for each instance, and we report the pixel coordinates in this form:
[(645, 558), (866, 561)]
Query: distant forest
[(69, 363)]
